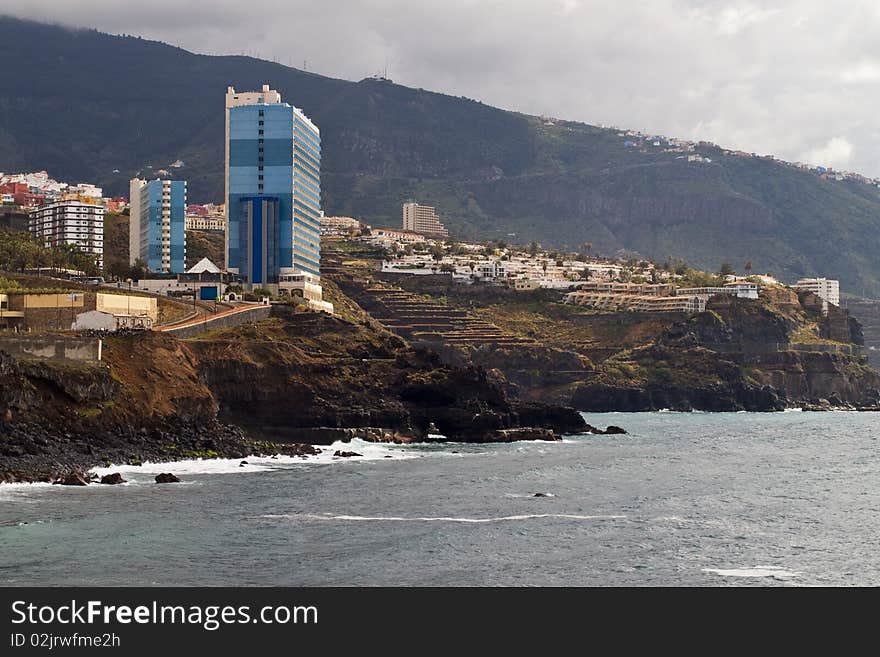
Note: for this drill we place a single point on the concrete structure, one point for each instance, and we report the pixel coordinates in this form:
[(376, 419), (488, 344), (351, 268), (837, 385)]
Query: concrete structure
[(157, 225), (637, 302), (422, 219), (306, 286), (204, 279), (741, 290), (52, 347), (827, 289), (70, 222), (273, 188), (236, 317), (524, 284), (641, 289), (94, 320), (59, 311), (339, 226), (207, 222)]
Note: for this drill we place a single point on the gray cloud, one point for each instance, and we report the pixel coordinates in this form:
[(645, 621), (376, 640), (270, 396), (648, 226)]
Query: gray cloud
[(799, 79)]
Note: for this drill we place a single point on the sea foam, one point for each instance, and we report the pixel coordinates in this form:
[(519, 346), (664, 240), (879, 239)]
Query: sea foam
[(353, 518), (368, 451), (757, 571)]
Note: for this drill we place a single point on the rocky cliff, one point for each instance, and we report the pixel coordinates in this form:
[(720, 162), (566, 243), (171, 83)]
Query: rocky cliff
[(778, 351), (295, 378)]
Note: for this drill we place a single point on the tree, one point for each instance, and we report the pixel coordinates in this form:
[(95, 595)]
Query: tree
[(726, 269), (437, 252), (748, 267), (533, 248), (138, 270)]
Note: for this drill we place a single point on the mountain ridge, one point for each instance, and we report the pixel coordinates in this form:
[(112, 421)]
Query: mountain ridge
[(81, 103)]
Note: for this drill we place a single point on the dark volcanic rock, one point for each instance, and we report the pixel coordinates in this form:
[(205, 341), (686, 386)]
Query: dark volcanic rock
[(561, 419), (73, 479), (524, 433), (166, 478), (346, 454), (298, 449), (613, 429), (599, 398), (112, 479)]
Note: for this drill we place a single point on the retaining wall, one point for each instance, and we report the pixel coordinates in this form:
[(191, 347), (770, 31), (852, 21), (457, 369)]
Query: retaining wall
[(190, 330), (75, 348)]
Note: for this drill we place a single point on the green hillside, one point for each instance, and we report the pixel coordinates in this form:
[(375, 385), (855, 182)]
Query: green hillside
[(82, 104)]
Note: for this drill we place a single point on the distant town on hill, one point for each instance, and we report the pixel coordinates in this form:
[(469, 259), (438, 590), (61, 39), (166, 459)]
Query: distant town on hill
[(491, 173)]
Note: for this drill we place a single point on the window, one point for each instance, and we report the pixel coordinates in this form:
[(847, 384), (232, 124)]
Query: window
[(261, 132)]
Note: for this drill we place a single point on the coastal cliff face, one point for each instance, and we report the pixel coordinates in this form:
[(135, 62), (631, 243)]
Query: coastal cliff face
[(302, 371), (740, 355), (295, 378), (757, 355)]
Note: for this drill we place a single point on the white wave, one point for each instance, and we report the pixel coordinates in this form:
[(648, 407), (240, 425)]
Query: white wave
[(797, 409), (12, 491), (529, 516), (757, 571), (368, 452), (672, 519)]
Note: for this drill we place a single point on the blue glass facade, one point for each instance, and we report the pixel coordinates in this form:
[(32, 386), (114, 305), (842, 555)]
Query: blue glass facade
[(163, 225), (274, 177)]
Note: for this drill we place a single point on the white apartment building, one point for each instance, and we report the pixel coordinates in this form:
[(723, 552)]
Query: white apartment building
[(209, 222), (741, 290), (422, 219), (827, 289), (333, 226), (70, 222)]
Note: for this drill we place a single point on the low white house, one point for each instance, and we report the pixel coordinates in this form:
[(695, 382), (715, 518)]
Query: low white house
[(95, 320)]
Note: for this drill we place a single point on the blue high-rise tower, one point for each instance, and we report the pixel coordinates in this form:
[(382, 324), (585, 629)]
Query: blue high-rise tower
[(273, 190), (158, 224)]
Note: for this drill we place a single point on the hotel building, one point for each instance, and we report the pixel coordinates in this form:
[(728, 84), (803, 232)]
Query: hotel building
[(157, 224), (827, 289), (273, 190), (422, 219), (76, 222)]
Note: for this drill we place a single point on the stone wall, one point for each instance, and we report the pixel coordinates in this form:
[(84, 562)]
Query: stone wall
[(254, 314), (50, 347)]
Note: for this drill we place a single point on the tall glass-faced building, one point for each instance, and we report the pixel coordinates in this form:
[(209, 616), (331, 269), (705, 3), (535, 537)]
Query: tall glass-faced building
[(273, 189), (157, 224)]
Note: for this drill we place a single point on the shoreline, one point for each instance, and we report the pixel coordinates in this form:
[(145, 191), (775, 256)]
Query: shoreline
[(262, 455)]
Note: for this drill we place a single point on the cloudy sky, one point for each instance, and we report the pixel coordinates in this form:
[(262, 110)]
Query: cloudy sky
[(798, 79)]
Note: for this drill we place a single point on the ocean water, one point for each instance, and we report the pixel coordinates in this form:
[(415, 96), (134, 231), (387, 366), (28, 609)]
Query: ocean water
[(694, 499)]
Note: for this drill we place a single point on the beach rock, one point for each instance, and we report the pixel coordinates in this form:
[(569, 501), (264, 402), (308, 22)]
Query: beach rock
[(561, 419), (613, 429), (540, 495), (166, 478), (242, 464), (112, 479), (72, 479), (345, 454), (524, 433), (298, 449)]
